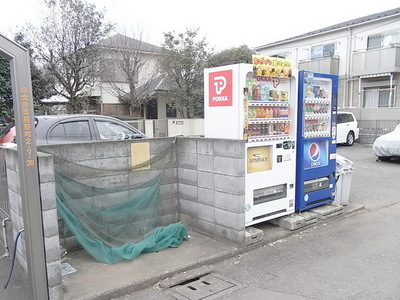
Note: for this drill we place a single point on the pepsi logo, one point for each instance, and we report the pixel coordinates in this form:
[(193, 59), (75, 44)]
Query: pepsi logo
[(314, 152)]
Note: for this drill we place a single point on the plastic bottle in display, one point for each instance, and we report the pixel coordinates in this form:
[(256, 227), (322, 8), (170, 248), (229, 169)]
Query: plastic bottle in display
[(249, 130), (287, 128), (270, 113)]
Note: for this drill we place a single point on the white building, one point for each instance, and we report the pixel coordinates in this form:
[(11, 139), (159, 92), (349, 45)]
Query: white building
[(364, 53)]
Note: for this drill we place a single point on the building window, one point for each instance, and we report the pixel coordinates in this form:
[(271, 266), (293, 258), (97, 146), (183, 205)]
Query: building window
[(374, 41), (384, 39), (378, 97), (281, 55), (323, 51), (171, 111)]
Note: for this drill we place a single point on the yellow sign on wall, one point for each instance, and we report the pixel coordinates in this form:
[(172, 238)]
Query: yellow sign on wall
[(258, 159), (140, 153)]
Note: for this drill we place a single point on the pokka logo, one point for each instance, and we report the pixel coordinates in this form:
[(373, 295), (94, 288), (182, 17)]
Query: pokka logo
[(314, 153), (220, 88)]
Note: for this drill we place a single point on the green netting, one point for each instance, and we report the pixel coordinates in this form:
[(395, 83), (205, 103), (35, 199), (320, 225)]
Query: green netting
[(114, 213)]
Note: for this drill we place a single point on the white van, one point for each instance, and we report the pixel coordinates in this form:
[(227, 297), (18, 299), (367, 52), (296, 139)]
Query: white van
[(347, 130)]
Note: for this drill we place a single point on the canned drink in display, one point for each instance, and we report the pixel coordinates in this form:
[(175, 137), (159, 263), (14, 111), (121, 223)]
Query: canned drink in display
[(250, 130), (263, 129)]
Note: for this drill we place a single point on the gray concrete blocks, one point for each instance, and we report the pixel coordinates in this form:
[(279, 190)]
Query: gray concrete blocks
[(187, 192), (229, 148), (229, 202), (253, 235), (189, 221), (54, 272), (205, 146), (187, 160), (205, 180), (229, 166), (205, 163), (189, 208), (309, 217), (48, 192), (230, 236), (206, 196), (220, 185), (160, 144), (187, 176), (188, 145), (206, 228), (229, 219), (46, 167), (298, 220), (327, 211), (206, 212), (168, 206), (229, 184), (290, 222), (50, 223)]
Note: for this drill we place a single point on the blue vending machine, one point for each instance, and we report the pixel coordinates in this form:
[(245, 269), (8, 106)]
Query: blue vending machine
[(316, 140)]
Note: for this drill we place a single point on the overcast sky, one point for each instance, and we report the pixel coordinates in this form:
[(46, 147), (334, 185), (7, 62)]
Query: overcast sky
[(224, 23)]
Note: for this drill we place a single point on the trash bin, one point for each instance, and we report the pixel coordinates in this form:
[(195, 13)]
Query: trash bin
[(344, 173)]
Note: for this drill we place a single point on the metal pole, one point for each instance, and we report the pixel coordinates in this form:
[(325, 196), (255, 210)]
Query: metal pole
[(28, 168)]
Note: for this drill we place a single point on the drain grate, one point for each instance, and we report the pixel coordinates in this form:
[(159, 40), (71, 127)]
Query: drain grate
[(207, 287)]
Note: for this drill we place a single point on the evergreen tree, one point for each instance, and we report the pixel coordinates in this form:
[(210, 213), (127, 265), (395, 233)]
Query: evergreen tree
[(184, 59)]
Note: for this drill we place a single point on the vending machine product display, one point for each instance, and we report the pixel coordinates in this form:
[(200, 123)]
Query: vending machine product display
[(258, 103), (316, 139)]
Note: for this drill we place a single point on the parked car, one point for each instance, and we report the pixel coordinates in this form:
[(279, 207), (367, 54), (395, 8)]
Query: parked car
[(387, 146), (347, 130), (60, 129), (7, 135)]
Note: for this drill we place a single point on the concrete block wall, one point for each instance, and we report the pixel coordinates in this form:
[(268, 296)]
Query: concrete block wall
[(211, 187), (49, 215), (111, 155), (203, 187)]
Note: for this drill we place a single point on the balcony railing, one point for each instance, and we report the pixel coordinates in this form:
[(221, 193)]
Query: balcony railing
[(328, 65), (376, 61)]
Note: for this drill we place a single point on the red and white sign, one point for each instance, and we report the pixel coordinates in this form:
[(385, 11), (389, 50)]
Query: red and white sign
[(220, 88)]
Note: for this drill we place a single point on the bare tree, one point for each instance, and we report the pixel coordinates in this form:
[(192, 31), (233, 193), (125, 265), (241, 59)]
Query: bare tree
[(129, 69), (64, 43)]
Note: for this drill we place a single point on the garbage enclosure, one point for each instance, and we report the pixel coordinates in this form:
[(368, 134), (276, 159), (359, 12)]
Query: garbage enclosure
[(344, 173)]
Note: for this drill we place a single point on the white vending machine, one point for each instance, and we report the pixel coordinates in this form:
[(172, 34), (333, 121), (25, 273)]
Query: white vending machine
[(258, 103)]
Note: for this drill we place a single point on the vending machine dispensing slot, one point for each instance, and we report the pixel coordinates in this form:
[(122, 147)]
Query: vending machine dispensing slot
[(269, 194), (316, 184)]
